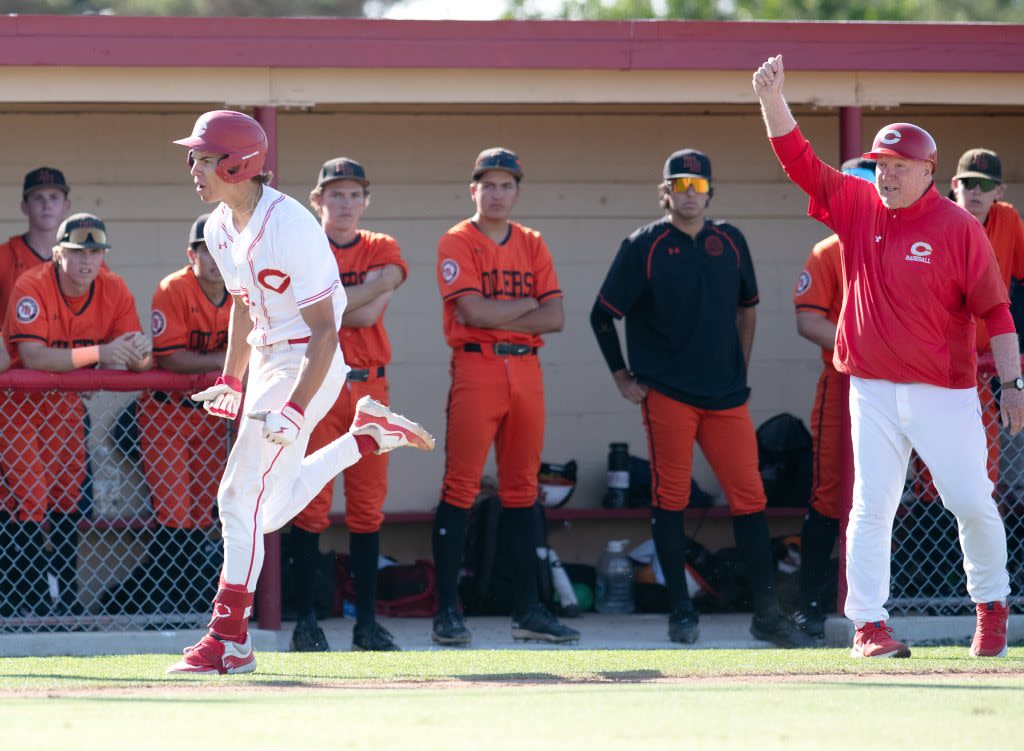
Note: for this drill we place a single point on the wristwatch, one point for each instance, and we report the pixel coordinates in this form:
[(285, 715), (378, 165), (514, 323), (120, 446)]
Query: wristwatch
[(1016, 383)]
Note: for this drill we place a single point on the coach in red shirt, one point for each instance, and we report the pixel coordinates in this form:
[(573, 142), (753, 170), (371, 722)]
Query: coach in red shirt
[(919, 271)]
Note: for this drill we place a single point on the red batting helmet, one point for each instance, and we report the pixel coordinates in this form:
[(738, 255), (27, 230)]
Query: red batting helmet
[(904, 140), (237, 136)]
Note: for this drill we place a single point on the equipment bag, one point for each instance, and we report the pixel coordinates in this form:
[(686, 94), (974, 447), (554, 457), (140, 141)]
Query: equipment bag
[(786, 460)]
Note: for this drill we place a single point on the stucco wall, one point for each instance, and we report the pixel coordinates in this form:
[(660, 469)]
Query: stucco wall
[(590, 180)]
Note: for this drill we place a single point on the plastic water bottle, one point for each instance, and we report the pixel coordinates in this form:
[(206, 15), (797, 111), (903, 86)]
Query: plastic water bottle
[(618, 476), (614, 592)]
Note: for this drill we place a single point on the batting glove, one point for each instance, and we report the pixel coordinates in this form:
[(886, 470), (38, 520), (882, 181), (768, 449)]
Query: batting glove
[(223, 398), (281, 427)]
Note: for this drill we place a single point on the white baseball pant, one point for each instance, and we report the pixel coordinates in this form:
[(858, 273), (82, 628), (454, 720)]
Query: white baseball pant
[(265, 485), (944, 427)]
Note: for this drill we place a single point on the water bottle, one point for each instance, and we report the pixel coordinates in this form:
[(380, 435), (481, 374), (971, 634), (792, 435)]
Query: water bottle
[(615, 580), (618, 476)]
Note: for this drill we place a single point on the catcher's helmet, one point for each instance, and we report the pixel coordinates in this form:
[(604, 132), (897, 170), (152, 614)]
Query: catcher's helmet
[(904, 140), (240, 138)]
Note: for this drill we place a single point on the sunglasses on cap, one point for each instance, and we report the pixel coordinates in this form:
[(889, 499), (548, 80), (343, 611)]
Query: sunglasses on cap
[(85, 238), (986, 185), (683, 184)]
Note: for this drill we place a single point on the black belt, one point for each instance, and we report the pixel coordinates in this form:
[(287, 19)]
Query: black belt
[(163, 396), (502, 348), (363, 374)]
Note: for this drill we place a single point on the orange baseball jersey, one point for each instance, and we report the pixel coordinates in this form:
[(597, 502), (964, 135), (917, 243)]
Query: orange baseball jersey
[(366, 347), (1006, 233), (819, 288), (470, 263), (16, 257), (39, 311), (184, 318)]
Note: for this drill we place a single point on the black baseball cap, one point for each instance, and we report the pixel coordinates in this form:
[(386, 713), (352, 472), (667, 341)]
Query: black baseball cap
[(44, 177), (195, 234), (498, 159), (982, 163), (342, 168), (687, 163), (82, 231)]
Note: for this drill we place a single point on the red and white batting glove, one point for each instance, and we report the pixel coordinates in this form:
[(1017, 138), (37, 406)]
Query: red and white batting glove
[(223, 398), (281, 427)]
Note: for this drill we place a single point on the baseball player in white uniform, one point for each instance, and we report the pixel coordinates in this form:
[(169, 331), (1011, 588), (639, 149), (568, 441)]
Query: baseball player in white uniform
[(287, 307)]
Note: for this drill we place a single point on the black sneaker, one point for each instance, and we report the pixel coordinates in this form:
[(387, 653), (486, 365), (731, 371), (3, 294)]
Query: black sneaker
[(450, 630), (538, 624), (308, 636), (781, 631), (811, 620), (683, 625), (373, 638)]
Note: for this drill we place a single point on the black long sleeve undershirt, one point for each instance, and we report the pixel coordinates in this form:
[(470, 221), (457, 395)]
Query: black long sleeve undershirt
[(603, 324)]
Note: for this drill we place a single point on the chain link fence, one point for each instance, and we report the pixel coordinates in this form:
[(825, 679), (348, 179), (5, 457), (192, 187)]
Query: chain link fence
[(108, 501), (927, 563)]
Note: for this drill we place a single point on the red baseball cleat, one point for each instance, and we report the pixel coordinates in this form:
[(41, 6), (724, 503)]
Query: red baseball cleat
[(990, 635), (873, 639), (213, 656), (388, 429)]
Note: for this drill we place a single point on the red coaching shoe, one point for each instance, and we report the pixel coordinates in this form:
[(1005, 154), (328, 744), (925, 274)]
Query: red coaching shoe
[(873, 639), (990, 635), (213, 656), (388, 429)]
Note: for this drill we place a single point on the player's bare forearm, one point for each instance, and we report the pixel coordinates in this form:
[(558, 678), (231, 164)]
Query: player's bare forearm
[(746, 324), (236, 359), (37, 356), (1006, 352), (767, 83), (549, 317), (323, 344), (366, 315), (378, 282), (815, 327), (484, 313), (189, 362)]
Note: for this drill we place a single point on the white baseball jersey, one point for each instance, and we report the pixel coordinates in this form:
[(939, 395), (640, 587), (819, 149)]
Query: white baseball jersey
[(278, 264)]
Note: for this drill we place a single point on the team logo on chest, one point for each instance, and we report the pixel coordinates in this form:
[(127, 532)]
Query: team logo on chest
[(713, 246), (919, 253), (803, 283), (158, 323), (449, 270), (27, 310), (274, 280)]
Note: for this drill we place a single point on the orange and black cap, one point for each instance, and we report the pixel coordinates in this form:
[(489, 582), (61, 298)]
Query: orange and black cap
[(498, 159)]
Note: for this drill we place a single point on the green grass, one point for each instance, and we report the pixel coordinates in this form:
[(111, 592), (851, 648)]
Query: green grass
[(519, 700)]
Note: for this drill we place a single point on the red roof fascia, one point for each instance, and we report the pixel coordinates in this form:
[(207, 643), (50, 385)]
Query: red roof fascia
[(581, 45)]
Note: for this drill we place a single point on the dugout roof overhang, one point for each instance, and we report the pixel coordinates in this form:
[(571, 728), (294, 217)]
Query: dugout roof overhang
[(47, 61)]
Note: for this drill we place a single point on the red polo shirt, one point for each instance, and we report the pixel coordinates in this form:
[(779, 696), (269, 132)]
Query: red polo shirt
[(916, 278)]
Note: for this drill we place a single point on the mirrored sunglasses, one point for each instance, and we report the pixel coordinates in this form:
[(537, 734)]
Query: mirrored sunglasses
[(683, 184), (87, 236)]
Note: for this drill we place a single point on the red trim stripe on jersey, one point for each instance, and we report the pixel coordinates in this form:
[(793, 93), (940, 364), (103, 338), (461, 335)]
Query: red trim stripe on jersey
[(252, 268), (650, 253), (610, 307), (319, 295)]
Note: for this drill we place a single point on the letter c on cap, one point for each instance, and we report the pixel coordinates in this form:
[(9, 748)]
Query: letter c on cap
[(891, 137)]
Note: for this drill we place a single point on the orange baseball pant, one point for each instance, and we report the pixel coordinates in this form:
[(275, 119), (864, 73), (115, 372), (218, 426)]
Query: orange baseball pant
[(184, 451), (826, 434), (924, 488), (366, 481), (726, 436), (43, 452), (495, 399)]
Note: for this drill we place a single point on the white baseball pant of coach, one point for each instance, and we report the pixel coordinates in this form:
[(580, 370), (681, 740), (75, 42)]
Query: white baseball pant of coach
[(265, 485), (944, 427)]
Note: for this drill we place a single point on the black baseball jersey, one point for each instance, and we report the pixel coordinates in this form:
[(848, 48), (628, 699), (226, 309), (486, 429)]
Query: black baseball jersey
[(679, 296)]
